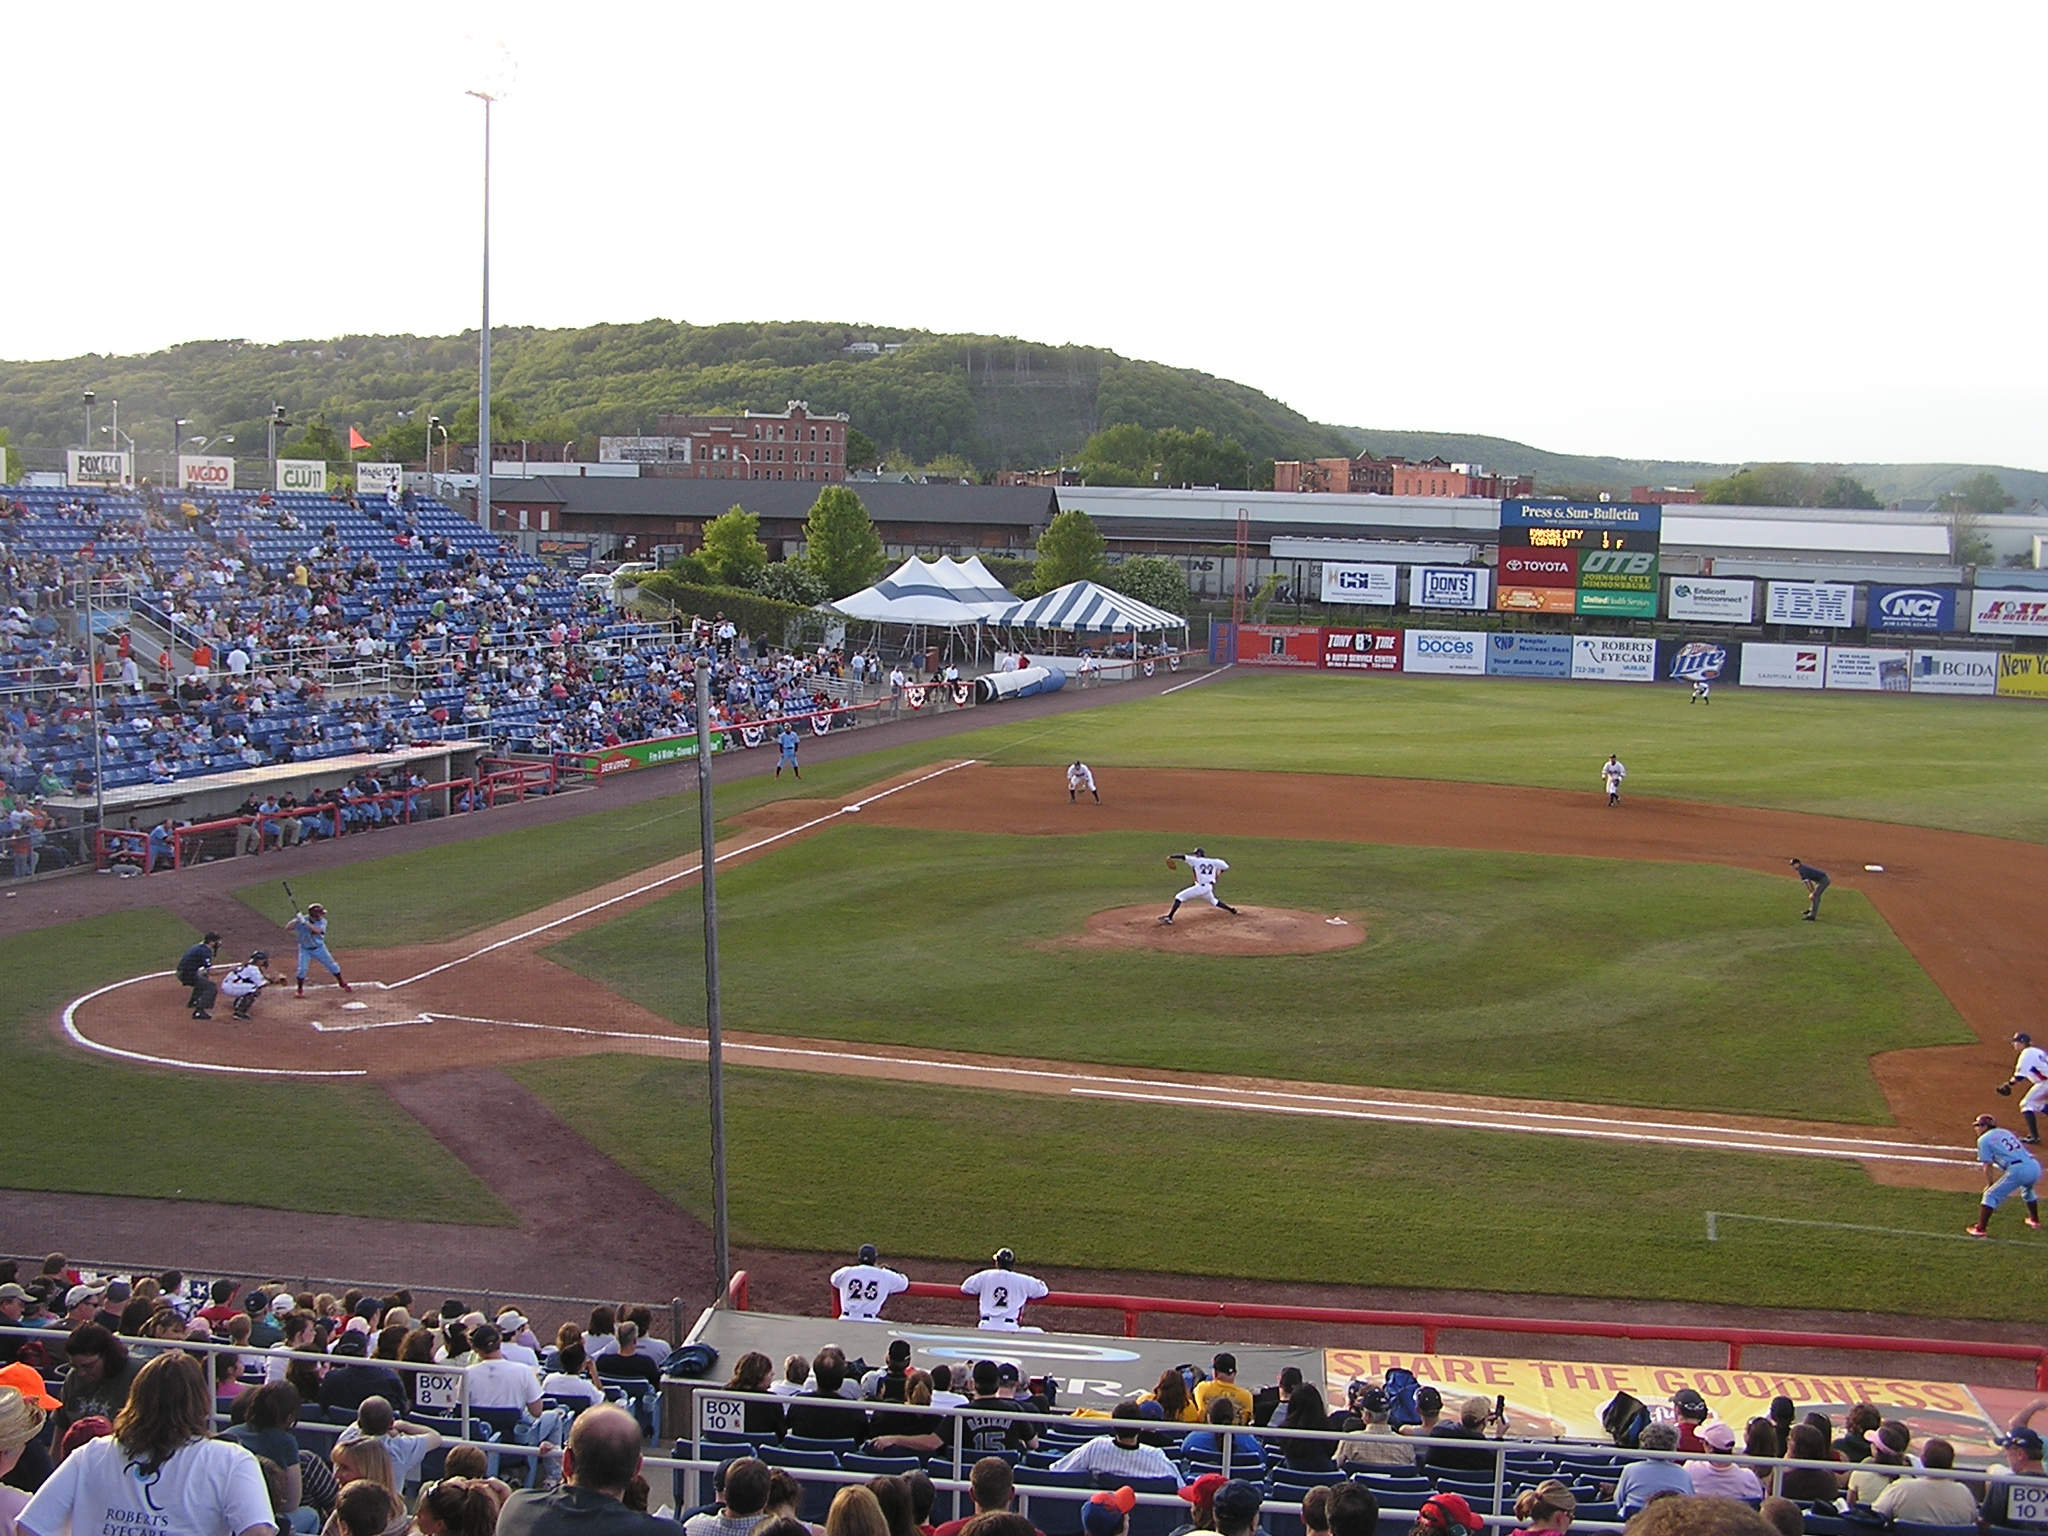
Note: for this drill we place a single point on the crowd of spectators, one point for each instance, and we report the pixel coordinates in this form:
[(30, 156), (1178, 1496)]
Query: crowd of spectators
[(103, 1381)]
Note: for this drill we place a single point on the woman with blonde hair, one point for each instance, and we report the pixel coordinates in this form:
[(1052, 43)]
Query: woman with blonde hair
[(160, 1457), (856, 1512), (1548, 1507), (357, 1461)]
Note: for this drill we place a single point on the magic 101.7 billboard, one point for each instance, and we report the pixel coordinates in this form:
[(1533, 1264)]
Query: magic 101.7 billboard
[(1582, 557)]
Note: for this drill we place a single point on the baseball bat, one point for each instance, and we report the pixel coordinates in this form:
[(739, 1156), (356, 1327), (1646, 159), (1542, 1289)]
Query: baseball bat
[(288, 896)]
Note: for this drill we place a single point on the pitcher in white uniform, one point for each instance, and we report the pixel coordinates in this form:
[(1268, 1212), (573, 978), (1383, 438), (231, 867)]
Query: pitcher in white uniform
[(1205, 870)]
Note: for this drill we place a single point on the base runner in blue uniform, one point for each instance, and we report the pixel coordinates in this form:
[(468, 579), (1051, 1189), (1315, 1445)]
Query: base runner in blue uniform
[(2009, 1168)]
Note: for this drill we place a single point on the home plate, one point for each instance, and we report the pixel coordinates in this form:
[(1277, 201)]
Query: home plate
[(355, 1005), (1336, 922)]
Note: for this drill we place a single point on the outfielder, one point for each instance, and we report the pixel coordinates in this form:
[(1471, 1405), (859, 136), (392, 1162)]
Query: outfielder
[(787, 743), (1611, 775), (2031, 1069), (1816, 882), (2008, 1167), (1079, 777), (1205, 870), (1702, 692), (245, 981), (311, 928)]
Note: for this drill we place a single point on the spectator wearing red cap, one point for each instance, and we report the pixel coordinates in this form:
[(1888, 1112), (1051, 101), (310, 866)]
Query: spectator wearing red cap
[(1109, 1512), (1201, 1500), (1445, 1514)]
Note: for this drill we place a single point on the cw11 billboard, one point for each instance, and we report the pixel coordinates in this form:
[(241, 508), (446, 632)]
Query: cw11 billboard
[(1580, 557)]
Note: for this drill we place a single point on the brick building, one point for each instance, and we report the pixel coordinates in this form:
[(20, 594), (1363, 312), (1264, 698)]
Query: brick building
[(792, 444), (1362, 476), (1440, 477)]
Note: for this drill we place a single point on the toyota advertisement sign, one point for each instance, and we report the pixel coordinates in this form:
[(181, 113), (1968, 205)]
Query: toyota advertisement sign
[(1926, 610)]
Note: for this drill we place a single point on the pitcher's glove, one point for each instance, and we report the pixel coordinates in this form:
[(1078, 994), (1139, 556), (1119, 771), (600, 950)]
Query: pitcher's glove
[(2005, 1090)]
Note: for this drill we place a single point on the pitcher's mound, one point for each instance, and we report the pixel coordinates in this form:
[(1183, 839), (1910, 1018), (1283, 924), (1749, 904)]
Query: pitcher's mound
[(1206, 930)]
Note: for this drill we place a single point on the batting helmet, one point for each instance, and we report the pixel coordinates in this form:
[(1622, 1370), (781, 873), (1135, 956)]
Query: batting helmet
[(1986, 1120), (312, 907)]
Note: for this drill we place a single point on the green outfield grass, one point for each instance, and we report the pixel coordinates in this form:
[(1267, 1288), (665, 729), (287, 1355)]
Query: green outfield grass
[(1928, 761), (950, 1174), (1528, 976), (1933, 762), (88, 1124)]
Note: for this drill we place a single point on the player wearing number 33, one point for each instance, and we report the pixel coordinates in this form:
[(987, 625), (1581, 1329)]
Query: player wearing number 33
[(863, 1287), (1002, 1292), (1205, 870), (2009, 1168)]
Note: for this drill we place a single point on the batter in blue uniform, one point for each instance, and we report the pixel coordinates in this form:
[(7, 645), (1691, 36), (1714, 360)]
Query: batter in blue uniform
[(788, 741), (2009, 1168), (311, 928)]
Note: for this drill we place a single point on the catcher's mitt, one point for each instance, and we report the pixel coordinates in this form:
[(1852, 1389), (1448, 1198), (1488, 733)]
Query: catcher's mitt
[(2005, 1090)]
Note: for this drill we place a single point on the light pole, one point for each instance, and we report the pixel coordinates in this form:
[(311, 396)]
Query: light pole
[(714, 1045), (271, 423), (433, 426), (87, 445), (178, 426), (483, 409)]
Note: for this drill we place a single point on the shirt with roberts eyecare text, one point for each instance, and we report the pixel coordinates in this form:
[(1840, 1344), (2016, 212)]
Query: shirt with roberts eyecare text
[(207, 1488), (1002, 1293)]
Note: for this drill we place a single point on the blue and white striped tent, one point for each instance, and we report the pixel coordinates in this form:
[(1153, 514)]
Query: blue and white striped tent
[(1082, 607), (946, 593)]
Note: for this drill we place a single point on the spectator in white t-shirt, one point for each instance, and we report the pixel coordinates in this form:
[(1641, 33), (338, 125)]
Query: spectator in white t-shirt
[(574, 1377), (494, 1381), (1721, 1479), (602, 1336), (159, 1458)]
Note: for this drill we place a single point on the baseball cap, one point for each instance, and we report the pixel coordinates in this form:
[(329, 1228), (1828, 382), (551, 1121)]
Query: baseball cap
[(1007, 1372), (283, 1302), (1203, 1488), (511, 1320), (1985, 1120), (82, 1293), (1685, 1401), (1104, 1515), (2023, 1038), (868, 1254), (1452, 1509), (119, 1291), (28, 1381), (1429, 1400), (1238, 1500), (1374, 1400), (1718, 1436), (12, 1292), (2026, 1439)]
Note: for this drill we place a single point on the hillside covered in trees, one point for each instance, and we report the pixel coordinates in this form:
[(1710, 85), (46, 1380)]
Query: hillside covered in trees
[(957, 404)]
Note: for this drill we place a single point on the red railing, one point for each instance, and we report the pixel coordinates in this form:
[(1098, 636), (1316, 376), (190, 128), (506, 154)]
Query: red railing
[(501, 780), (1431, 1324), (121, 844)]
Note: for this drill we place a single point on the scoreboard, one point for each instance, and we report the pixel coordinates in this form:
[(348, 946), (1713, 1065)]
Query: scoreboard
[(1585, 557)]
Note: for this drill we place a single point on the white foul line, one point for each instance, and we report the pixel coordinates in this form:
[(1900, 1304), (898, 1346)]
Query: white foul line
[(681, 874), (1619, 1130), (1176, 688), (1714, 1235)]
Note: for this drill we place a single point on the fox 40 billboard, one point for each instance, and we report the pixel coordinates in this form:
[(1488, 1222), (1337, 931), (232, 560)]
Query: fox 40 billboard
[(97, 466)]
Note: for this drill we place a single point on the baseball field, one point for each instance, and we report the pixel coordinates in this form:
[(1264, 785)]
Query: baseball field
[(1487, 1032)]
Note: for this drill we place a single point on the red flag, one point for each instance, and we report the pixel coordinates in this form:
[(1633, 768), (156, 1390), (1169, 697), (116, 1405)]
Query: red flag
[(356, 440)]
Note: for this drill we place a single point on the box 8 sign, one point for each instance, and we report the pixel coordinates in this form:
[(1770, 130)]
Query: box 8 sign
[(1279, 645), (1367, 586), (98, 467), (1447, 586), (1362, 650), (380, 479), (302, 475)]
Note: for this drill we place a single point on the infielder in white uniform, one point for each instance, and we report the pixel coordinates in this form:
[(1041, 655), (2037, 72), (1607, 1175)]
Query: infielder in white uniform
[(1002, 1292), (1205, 870), (2032, 1070), (863, 1287), (1079, 777), (1611, 775)]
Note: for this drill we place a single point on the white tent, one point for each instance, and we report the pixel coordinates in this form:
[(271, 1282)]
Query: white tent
[(948, 593), (1082, 607)]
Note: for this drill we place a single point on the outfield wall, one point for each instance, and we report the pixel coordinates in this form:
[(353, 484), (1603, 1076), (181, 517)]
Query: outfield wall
[(1631, 659)]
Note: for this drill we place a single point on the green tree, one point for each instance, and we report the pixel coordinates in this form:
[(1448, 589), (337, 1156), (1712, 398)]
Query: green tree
[(403, 442), (793, 581), (732, 549), (1151, 579), (841, 546), (317, 441), (1070, 549), (861, 452), (1982, 493), (1847, 491), (1788, 485), (1117, 455)]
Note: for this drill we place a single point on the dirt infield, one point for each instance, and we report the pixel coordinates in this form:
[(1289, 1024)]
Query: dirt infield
[(1966, 907), (1207, 930)]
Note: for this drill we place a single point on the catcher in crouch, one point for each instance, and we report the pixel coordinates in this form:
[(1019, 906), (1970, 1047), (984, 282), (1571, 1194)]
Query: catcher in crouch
[(245, 982), (1205, 870)]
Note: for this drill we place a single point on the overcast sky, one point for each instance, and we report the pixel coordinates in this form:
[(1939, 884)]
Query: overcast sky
[(1689, 231)]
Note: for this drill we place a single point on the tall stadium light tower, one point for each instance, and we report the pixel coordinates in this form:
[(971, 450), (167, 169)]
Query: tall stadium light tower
[(714, 1044), (483, 367)]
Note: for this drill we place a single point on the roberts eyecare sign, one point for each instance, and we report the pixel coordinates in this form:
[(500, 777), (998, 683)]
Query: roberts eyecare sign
[(1611, 548)]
